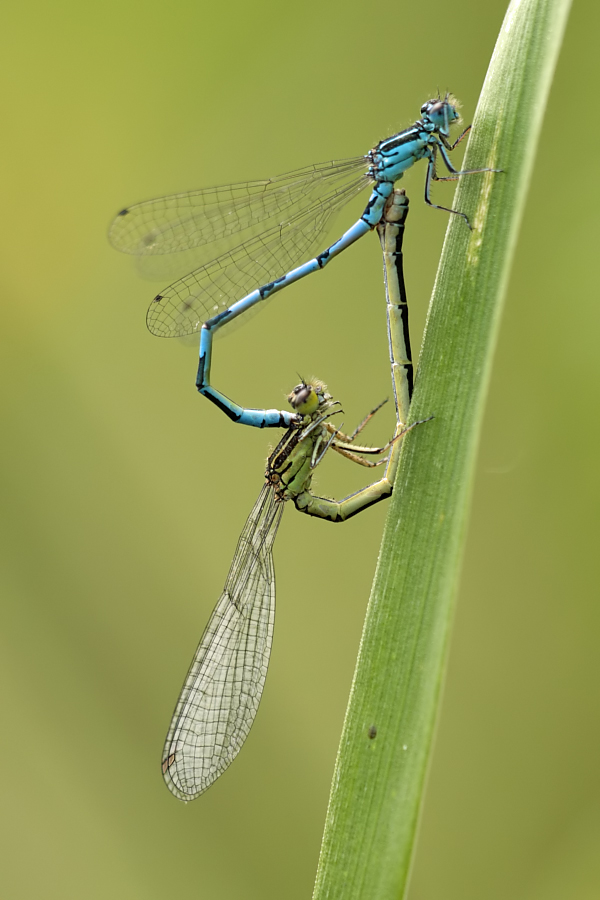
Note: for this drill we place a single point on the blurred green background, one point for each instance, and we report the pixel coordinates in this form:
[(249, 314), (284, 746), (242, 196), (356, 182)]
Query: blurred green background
[(124, 492)]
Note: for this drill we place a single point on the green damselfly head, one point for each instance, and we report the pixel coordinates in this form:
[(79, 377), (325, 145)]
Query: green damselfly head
[(308, 396), (442, 113)]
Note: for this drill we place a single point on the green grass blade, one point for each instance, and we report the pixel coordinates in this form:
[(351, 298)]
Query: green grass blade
[(378, 783)]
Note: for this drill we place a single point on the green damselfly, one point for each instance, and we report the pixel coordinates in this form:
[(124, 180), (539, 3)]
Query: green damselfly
[(223, 687)]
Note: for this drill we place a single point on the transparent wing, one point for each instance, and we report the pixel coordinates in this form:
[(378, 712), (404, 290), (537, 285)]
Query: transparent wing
[(182, 307), (183, 221), (223, 687)]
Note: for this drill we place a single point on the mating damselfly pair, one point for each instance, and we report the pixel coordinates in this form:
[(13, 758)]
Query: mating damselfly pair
[(279, 221), (223, 687)]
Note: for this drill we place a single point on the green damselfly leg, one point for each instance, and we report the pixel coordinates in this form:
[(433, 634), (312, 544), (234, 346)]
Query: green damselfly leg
[(223, 687)]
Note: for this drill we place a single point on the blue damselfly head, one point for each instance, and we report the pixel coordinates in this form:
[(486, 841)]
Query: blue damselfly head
[(442, 113)]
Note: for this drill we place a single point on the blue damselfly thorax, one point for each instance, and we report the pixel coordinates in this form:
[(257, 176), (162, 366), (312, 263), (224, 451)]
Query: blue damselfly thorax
[(423, 140)]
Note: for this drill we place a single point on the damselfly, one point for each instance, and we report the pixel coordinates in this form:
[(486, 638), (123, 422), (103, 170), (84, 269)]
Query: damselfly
[(223, 687), (258, 231)]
